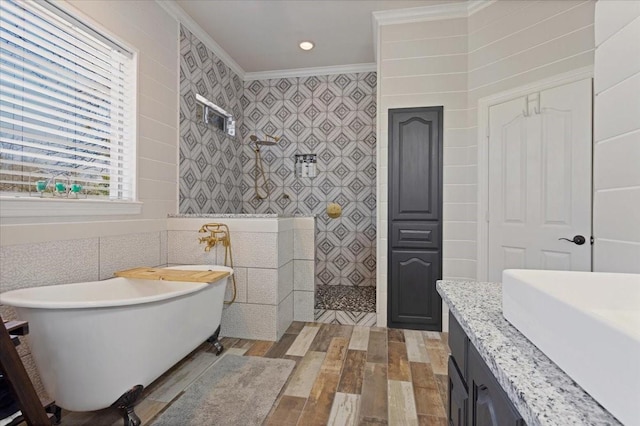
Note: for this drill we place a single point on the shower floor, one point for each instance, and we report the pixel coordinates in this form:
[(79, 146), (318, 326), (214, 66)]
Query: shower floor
[(341, 304), (346, 298)]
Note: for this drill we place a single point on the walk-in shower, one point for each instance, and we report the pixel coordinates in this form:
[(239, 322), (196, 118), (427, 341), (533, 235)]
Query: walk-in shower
[(268, 141)]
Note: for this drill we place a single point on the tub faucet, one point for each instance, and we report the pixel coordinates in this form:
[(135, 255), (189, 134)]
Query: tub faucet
[(218, 233), (211, 242)]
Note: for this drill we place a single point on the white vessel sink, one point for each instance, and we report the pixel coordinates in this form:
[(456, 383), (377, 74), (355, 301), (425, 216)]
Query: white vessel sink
[(588, 323)]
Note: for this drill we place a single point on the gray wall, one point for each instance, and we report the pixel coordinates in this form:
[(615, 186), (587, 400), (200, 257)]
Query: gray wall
[(210, 168), (334, 117)]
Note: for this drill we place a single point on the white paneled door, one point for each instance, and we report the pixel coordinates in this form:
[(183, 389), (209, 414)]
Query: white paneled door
[(540, 181)]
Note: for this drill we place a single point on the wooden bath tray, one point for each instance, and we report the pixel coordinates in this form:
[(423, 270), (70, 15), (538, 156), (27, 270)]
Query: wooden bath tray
[(145, 273)]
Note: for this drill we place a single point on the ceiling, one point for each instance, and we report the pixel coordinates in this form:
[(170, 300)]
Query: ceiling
[(263, 35)]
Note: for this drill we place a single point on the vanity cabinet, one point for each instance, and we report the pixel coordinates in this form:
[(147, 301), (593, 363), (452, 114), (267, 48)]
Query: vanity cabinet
[(475, 396), (458, 396), (489, 404)]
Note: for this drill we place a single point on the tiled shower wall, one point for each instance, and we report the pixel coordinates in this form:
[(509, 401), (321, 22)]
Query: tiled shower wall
[(334, 117), (210, 167)]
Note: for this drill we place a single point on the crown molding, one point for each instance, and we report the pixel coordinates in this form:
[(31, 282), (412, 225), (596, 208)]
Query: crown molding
[(171, 7), (430, 13), (307, 72), (420, 14)]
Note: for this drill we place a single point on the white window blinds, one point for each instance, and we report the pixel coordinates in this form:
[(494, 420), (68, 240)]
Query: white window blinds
[(66, 106)]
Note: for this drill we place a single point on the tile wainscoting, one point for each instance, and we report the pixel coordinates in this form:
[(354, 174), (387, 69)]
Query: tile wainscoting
[(71, 261)]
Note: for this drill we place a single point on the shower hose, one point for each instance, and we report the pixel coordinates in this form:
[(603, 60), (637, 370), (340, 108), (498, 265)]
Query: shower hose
[(260, 168)]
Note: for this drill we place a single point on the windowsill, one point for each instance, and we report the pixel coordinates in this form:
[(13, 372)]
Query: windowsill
[(49, 207)]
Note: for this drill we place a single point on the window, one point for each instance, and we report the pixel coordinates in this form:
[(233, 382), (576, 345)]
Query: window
[(67, 107), (212, 114)]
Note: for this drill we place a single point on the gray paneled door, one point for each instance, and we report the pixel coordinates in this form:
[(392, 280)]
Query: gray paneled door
[(415, 218)]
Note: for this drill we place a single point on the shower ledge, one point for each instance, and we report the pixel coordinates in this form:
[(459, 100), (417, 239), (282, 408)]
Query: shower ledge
[(235, 215)]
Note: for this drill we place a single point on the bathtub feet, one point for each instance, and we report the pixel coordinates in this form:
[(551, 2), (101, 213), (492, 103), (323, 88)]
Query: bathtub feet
[(131, 418), (215, 342), (126, 403), (56, 411), (218, 346)]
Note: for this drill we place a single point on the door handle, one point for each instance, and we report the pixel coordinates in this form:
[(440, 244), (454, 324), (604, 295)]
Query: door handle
[(578, 240)]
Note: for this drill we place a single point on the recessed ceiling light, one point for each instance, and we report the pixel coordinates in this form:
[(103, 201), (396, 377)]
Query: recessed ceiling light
[(306, 45)]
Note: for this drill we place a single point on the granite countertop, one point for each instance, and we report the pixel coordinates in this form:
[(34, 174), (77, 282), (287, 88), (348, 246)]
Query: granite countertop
[(540, 390)]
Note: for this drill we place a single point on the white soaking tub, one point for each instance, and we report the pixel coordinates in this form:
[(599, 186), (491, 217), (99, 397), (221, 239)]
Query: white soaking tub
[(94, 341)]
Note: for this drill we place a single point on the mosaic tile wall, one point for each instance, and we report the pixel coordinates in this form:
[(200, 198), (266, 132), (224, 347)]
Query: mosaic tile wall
[(210, 166), (334, 117)]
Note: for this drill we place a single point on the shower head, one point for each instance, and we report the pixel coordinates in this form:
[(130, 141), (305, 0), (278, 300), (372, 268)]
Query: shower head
[(258, 142)]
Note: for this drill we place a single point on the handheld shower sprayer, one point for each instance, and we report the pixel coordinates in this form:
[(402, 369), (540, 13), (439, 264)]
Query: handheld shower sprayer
[(269, 140)]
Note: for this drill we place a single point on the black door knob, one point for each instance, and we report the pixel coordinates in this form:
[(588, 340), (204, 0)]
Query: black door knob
[(578, 240)]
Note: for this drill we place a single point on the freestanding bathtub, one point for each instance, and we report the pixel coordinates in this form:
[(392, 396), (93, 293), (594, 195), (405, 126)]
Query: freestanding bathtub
[(94, 341)]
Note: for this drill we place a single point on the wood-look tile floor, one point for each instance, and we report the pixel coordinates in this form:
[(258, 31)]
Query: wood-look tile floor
[(344, 375)]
